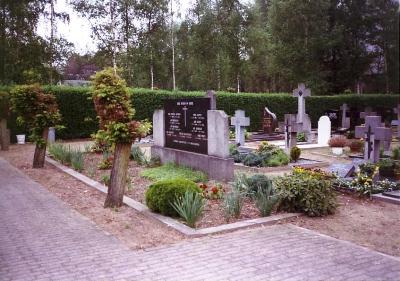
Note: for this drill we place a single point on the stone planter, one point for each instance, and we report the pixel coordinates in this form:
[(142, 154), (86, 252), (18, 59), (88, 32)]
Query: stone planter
[(337, 150), (21, 139)]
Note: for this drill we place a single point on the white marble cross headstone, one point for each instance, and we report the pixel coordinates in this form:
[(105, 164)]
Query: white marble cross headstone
[(301, 92), (345, 119), (240, 121)]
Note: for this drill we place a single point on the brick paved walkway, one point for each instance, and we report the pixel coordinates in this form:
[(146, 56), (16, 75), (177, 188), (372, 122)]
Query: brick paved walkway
[(42, 239)]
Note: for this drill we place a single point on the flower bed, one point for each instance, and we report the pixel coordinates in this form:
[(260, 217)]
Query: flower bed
[(213, 214)]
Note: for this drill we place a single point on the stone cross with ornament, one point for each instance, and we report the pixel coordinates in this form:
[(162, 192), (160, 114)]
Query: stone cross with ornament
[(373, 133), (240, 121)]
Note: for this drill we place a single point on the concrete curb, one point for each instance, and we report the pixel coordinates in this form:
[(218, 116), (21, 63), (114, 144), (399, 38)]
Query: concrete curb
[(387, 199), (182, 228)]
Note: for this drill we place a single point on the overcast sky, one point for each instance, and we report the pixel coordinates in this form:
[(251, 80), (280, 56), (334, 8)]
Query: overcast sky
[(78, 30)]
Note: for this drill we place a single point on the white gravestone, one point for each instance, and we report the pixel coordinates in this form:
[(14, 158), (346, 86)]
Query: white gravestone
[(240, 121), (324, 130)]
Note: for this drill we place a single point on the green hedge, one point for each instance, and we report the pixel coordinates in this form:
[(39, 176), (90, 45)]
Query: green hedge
[(79, 117)]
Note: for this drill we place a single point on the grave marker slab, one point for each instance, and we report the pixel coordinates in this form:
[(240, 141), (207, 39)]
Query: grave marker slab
[(367, 112), (186, 124), (291, 130), (269, 121), (188, 133), (240, 121), (324, 130), (345, 119)]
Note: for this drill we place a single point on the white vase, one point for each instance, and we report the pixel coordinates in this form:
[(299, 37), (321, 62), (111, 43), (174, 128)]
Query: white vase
[(337, 150), (21, 139)]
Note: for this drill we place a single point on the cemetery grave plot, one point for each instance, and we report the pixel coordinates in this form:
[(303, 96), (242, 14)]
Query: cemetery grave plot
[(213, 214)]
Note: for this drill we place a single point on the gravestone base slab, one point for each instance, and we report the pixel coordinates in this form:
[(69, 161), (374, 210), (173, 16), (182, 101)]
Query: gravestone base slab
[(216, 168)]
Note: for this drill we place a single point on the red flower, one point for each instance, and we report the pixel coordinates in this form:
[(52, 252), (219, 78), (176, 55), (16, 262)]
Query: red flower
[(214, 189)]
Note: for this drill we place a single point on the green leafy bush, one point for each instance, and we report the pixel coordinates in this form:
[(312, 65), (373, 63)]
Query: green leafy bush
[(303, 193), (396, 153), (387, 167), (256, 182), (254, 159), (278, 158), (295, 153), (161, 195), (190, 207), (172, 171), (301, 137)]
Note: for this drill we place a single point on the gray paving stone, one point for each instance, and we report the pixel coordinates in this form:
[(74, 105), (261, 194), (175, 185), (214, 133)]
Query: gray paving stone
[(42, 239)]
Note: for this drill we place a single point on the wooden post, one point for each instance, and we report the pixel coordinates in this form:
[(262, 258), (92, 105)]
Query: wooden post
[(4, 135)]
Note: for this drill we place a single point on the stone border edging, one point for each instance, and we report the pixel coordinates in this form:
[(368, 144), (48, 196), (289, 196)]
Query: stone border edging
[(387, 199), (170, 221)]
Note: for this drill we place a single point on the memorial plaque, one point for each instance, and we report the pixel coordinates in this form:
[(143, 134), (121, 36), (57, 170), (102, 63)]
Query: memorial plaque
[(186, 124), (334, 117), (269, 121)]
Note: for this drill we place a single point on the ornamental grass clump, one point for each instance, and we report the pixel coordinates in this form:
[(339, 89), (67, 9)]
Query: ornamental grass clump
[(190, 207), (38, 111)]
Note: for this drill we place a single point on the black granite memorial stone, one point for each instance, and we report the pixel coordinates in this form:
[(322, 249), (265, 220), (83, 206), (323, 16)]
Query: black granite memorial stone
[(186, 124)]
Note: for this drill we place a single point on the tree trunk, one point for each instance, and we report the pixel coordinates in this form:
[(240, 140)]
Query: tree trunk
[(40, 152), (118, 178), (4, 135)]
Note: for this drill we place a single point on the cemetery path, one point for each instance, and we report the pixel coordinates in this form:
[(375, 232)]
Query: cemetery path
[(42, 239)]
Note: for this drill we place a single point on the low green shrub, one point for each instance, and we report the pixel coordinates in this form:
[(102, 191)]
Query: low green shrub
[(256, 182), (313, 196), (301, 137), (254, 159), (387, 167), (172, 171), (396, 153), (295, 153), (161, 195), (190, 207), (279, 158)]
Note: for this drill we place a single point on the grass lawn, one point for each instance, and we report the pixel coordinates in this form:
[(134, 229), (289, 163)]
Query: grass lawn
[(171, 171)]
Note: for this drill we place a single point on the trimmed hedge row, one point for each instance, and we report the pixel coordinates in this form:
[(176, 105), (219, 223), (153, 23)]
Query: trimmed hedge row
[(79, 118)]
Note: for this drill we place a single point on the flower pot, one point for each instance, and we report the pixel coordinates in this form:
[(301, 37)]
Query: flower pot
[(21, 139), (337, 150)]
